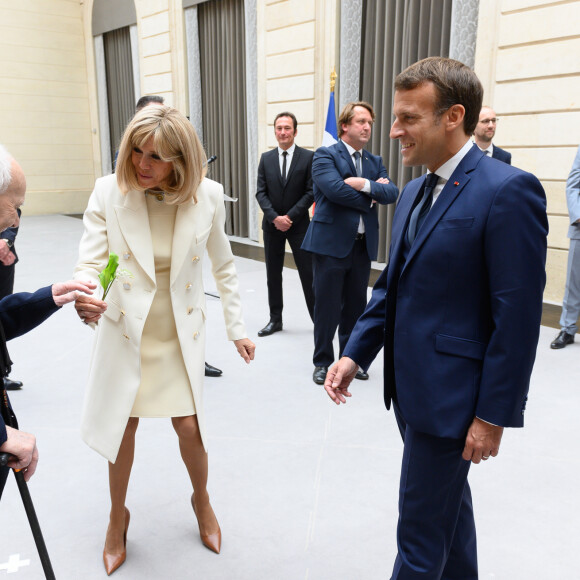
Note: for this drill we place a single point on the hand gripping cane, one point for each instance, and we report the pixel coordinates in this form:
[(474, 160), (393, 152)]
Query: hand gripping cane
[(26, 499)]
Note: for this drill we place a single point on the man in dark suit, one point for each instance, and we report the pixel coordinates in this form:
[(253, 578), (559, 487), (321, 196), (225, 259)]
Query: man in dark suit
[(485, 132), (457, 311), (20, 313), (344, 232), (285, 195)]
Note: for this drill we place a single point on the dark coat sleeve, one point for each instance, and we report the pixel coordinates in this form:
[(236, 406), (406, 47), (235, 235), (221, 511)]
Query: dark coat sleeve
[(23, 311), (330, 181), (262, 193), (9, 234)]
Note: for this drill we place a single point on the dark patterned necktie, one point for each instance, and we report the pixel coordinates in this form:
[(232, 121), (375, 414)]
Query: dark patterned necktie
[(357, 165), (422, 209)]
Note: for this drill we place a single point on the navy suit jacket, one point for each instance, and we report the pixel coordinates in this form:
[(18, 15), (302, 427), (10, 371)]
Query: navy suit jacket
[(292, 198), (459, 319), (20, 313), (333, 228), (502, 155)]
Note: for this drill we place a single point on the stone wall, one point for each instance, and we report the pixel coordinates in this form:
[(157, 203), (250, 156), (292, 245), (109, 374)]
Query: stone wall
[(527, 57)]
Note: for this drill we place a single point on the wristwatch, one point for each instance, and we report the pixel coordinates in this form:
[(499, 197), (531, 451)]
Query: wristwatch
[(9, 243)]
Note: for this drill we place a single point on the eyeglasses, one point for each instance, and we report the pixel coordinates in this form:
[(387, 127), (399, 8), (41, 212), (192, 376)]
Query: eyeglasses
[(493, 121)]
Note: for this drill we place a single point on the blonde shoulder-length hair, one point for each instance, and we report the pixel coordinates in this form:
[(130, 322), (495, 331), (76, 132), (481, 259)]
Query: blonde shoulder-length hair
[(175, 141)]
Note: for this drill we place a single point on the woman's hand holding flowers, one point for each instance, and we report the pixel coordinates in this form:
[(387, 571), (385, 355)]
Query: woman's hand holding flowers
[(89, 308)]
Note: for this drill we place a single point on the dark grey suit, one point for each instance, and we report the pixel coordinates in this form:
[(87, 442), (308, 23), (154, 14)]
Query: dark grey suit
[(571, 304), (292, 198)]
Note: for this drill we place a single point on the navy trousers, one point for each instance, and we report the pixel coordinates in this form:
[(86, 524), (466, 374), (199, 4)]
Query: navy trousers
[(436, 530)]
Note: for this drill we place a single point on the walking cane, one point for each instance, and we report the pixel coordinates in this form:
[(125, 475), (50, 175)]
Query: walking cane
[(27, 501)]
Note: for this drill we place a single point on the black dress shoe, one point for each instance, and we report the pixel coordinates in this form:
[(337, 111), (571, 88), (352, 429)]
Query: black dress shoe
[(11, 385), (562, 340), (319, 375), (212, 371), (270, 328), (361, 376)]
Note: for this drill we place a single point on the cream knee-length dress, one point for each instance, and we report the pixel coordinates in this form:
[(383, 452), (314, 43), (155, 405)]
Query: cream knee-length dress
[(165, 390)]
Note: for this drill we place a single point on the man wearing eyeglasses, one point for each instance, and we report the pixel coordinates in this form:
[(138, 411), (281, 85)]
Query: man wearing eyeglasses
[(484, 133)]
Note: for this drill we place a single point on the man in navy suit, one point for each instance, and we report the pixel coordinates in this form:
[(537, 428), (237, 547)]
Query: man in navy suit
[(285, 196), (344, 231), (457, 311), (485, 132), (20, 313)]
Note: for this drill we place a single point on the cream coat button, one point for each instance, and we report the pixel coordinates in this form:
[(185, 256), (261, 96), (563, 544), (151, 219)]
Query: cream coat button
[(195, 335), (188, 286), (127, 285), (189, 310), (195, 259), (126, 255)]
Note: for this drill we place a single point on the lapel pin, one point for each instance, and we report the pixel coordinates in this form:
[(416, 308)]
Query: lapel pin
[(456, 183)]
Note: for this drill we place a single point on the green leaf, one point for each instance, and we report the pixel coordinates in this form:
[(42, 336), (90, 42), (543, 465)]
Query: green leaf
[(107, 276)]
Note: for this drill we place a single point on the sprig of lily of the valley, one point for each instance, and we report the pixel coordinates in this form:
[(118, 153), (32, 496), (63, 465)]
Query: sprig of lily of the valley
[(111, 273)]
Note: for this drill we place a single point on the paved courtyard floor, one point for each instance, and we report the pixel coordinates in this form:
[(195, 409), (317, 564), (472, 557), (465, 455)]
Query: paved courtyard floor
[(303, 490)]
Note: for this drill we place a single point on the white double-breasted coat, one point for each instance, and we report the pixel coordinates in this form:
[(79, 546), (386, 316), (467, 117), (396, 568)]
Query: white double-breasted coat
[(119, 223)]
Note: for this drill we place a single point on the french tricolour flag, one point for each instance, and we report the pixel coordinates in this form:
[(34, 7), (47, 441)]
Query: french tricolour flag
[(330, 136)]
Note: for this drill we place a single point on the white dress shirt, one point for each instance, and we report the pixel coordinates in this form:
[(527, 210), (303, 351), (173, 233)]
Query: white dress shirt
[(367, 186), (446, 170), (290, 152)]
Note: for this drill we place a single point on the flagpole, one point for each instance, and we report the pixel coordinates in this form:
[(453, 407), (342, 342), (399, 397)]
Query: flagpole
[(330, 136)]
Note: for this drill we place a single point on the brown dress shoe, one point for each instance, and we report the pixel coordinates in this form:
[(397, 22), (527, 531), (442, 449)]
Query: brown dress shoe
[(114, 561), (211, 541)]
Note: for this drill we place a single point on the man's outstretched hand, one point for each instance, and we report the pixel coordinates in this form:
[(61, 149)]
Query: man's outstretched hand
[(338, 379)]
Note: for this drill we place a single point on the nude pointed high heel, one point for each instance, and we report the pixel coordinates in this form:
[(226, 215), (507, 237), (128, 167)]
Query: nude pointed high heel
[(212, 541), (114, 561)]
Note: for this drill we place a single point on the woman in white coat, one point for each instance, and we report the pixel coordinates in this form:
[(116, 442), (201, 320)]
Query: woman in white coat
[(159, 214)]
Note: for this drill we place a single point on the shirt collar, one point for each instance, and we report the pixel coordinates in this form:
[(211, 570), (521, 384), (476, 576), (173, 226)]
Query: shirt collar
[(447, 169), (351, 150), (290, 150), (490, 148)]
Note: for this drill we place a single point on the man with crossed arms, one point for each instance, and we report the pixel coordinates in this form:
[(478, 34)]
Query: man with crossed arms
[(344, 232)]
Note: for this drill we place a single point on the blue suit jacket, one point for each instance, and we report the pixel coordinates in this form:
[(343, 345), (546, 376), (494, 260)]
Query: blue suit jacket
[(459, 320), (333, 228), (502, 155)]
